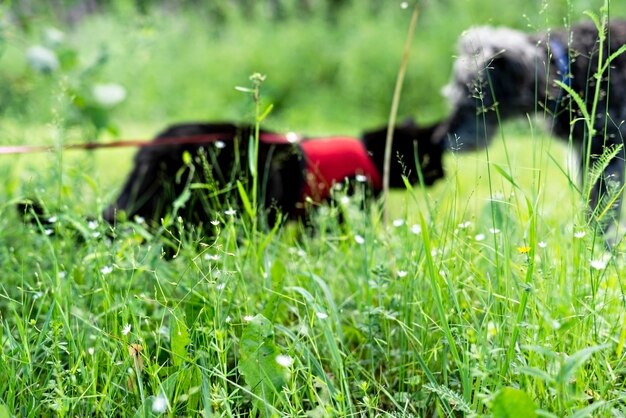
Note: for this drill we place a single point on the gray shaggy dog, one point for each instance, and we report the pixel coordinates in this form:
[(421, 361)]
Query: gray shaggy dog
[(502, 73)]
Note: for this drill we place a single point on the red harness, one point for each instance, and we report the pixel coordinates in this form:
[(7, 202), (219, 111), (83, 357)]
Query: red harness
[(332, 160), (329, 161)]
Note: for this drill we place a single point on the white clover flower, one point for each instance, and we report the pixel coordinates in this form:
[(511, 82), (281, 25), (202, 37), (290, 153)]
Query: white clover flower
[(401, 273), (542, 244), (283, 360), (159, 405), (109, 94), (479, 237), (416, 229), (106, 270), (321, 315), (359, 239), (126, 329)]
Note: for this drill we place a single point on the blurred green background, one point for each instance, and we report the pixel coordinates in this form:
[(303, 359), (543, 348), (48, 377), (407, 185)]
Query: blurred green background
[(331, 66)]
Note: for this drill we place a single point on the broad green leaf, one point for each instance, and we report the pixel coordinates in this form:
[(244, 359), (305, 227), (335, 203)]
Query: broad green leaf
[(245, 200), (4, 412), (252, 156), (258, 364), (513, 403), (179, 340), (575, 361), (277, 274)]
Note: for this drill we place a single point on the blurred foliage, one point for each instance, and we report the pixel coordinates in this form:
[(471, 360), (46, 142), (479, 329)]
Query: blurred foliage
[(331, 65)]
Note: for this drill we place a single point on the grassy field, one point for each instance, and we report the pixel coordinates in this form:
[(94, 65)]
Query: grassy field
[(487, 295)]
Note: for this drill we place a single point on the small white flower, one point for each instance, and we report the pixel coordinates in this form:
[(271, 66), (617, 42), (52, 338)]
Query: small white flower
[(228, 319), (52, 219), (53, 37), (230, 212), (215, 222), (248, 318), (92, 224), (126, 329), (321, 315), (48, 231), (398, 223), (106, 270), (479, 237), (416, 229), (579, 234), (404, 5), (464, 225), (542, 244), (96, 234), (361, 178), (220, 286), (401, 273), (359, 239), (140, 220), (220, 144), (292, 137), (91, 351), (494, 230), (345, 200), (159, 405), (598, 264), (37, 295), (283, 360), (42, 59), (61, 275), (212, 257)]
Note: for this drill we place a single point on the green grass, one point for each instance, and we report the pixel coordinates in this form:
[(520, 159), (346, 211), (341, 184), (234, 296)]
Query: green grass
[(478, 285)]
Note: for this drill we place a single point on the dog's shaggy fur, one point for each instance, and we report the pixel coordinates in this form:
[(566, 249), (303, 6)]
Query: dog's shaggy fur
[(159, 178), (502, 73)]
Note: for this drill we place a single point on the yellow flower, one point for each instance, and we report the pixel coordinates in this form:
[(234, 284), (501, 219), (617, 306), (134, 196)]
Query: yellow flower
[(523, 250)]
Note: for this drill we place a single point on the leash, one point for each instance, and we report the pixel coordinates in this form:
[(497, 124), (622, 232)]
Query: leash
[(269, 138)]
